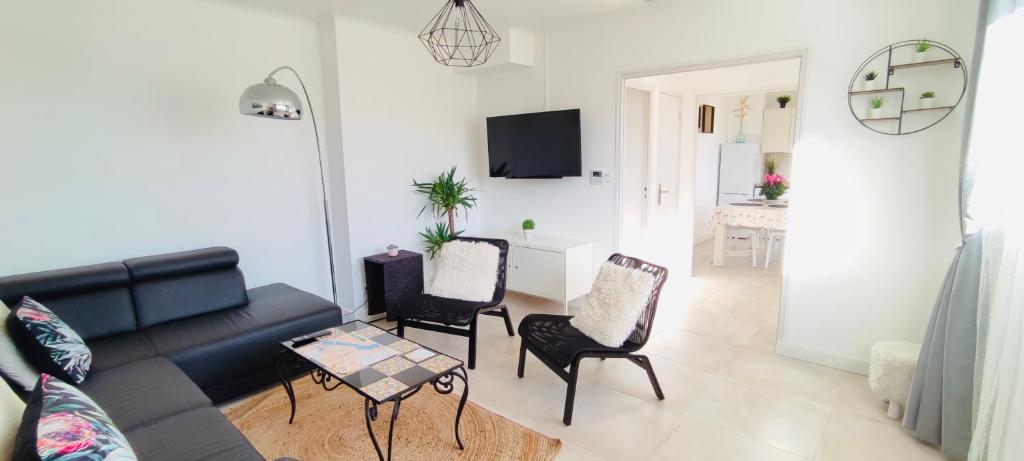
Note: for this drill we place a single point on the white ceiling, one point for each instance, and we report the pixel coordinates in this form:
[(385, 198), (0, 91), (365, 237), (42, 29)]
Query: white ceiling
[(414, 14)]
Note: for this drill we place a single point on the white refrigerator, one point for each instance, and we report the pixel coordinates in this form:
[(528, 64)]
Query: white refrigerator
[(739, 171)]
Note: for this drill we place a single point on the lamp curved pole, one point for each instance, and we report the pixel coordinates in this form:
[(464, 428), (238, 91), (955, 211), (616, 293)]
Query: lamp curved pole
[(323, 181)]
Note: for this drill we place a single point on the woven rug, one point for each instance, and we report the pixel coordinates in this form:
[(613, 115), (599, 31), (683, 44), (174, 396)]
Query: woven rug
[(331, 426)]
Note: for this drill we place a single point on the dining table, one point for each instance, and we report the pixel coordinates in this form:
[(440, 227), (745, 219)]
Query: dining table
[(753, 214)]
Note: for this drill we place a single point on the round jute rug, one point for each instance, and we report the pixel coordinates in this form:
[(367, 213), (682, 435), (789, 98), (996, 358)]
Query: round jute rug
[(331, 426)]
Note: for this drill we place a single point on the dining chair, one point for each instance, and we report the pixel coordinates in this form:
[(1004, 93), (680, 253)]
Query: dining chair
[(772, 236)]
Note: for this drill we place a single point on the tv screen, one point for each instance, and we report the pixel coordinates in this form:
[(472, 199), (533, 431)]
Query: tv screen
[(539, 145)]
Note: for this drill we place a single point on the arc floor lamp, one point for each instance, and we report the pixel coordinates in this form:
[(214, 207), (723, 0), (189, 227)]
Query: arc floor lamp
[(270, 99)]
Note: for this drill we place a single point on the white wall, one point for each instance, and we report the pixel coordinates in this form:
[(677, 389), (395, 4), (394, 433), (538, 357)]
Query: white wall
[(873, 218), (403, 116), (121, 137)]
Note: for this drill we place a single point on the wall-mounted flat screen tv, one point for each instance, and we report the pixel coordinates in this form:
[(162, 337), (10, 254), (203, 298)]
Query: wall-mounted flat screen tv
[(538, 145)]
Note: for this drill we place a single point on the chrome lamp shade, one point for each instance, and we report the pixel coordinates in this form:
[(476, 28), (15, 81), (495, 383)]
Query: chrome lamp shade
[(272, 100)]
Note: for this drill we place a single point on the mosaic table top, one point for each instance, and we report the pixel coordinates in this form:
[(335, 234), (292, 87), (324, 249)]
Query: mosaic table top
[(372, 361)]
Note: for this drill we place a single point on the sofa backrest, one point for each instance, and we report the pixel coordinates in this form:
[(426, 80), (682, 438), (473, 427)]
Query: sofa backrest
[(178, 285), (95, 300)]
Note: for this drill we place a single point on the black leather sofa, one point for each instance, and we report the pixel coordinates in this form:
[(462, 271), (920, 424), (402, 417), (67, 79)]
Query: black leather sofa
[(171, 335)]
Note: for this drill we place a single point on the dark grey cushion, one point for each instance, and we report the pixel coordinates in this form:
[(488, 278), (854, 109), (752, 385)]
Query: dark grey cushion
[(216, 348), (199, 434), (143, 392), (119, 350), (186, 284), (93, 300)]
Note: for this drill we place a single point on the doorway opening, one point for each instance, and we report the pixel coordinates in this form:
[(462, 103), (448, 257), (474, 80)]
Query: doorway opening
[(704, 168)]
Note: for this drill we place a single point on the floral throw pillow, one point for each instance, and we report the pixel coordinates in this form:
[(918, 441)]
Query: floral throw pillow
[(63, 424), (49, 343)]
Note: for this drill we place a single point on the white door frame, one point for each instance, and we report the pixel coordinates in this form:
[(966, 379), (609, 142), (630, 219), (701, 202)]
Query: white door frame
[(620, 90)]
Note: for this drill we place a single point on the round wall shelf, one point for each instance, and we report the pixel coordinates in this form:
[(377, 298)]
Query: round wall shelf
[(903, 76)]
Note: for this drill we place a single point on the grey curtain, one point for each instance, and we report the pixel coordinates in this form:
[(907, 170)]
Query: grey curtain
[(939, 408)]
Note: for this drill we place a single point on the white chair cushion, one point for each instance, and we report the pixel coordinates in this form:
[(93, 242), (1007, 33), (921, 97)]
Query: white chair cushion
[(614, 304), (465, 270)]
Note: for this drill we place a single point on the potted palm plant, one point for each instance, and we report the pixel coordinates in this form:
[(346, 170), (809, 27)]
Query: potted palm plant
[(783, 100), (927, 100), (876, 107), (528, 226), (921, 51), (445, 196), (871, 81)]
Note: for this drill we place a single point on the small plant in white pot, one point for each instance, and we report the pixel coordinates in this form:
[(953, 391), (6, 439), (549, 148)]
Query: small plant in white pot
[(927, 100), (871, 81), (528, 226), (921, 49), (876, 107)]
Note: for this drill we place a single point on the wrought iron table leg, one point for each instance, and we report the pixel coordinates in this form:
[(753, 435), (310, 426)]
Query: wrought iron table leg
[(445, 384), (371, 415), (282, 374)]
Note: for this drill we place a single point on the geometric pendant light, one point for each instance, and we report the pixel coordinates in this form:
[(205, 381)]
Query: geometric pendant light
[(459, 36)]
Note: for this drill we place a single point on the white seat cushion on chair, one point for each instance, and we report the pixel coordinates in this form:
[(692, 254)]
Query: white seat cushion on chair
[(614, 304), (465, 270)]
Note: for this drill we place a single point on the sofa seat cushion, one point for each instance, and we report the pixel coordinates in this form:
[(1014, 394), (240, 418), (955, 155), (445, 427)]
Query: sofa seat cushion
[(220, 346), (199, 434), (120, 350), (143, 392)]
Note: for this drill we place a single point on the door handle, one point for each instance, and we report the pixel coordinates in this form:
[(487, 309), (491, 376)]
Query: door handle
[(661, 191)]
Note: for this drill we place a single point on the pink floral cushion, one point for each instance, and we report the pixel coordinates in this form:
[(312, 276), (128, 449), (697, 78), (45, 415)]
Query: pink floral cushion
[(49, 343)]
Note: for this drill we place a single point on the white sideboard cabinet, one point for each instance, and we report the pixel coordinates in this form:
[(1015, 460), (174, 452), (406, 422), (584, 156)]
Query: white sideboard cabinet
[(548, 267)]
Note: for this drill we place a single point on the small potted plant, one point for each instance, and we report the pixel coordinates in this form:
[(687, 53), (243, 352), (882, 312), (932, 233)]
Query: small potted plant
[(528, 226), (876, 107), (870, 81), (783, 100), (927, 100), (921, 51), (773, 186), (393, 250)]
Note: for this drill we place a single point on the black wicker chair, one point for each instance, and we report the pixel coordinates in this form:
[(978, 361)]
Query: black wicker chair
[(454, 316), (559, 345)]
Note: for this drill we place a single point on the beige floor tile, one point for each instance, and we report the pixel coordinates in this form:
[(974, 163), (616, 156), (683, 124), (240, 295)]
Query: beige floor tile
[(693, 440), (721, 326), (570, 452), (855, 397), (784, 375), (854, 438), (609, 423), (783, 422), (681, 385), (751, 310), (695, 351)]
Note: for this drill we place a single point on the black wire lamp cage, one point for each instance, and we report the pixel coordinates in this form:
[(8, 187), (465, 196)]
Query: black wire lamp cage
[(459, 36)]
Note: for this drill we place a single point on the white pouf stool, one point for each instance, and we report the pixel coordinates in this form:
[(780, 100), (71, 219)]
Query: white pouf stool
[(891, 371)]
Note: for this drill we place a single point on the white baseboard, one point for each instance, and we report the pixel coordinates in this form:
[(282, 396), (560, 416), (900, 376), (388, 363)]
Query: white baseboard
[(833, 361)]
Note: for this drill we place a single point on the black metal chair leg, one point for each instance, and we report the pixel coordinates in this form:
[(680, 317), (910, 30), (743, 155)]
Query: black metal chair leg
[(401, 329), (508, 321), (650, 374), (522, 357), (472, 343), (570, 392)]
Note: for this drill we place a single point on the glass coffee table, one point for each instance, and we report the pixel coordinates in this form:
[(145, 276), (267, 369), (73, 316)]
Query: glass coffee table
[(376, 364)]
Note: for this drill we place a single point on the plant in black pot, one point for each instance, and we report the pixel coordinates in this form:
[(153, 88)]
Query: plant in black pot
[(783, 100)]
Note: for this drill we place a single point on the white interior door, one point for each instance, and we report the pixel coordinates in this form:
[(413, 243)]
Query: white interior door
[(666, 159), (636, 147)]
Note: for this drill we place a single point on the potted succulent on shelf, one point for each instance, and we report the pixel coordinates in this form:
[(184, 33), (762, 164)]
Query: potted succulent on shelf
[(783, 100), (927, 100), (528, 227), (876, 107), (870, 81), (921, 51)]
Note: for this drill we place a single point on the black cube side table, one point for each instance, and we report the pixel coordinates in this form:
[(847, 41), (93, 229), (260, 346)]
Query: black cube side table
[(392, 279)]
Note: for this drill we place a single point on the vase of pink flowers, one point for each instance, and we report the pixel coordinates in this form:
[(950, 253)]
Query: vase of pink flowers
[(774, 186)]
